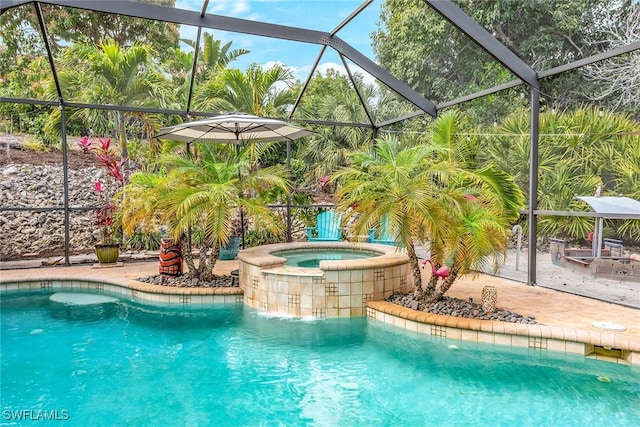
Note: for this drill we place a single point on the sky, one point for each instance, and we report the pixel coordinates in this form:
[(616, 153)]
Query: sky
[(320, 15)]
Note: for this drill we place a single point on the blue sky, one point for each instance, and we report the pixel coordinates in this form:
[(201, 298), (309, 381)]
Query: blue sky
[(321, 15)]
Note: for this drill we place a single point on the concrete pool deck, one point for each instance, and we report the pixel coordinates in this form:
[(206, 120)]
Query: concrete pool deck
[(557, 310)]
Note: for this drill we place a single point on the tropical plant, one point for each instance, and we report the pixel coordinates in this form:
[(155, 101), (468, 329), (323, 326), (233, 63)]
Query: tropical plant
[(111, 74), (257, 91), (107, 189), (333, 98), (463, 214), (215, 56), (204, 192), (578, 151)]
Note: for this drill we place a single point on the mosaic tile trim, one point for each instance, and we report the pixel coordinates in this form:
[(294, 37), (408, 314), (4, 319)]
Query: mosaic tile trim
[(239, 299), (319, 313), (100, 287), (438, 331), (537, 342), (403, 281), (331, 289), (264, 306), (378, 274), (368, 297), (46, 285), (185, 299), (317, 280), (294, 301), (371, 313), (254, 283), (134, 294)]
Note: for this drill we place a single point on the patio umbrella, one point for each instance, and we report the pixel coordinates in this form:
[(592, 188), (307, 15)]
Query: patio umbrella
[(235, 128), (232, 129)]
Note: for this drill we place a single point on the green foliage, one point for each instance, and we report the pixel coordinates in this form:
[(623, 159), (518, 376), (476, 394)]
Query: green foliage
[(144, 241), (419, 47), (256, 91), (578, 150), (431, 191)]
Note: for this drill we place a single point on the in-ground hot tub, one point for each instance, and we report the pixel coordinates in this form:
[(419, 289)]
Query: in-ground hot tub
[(333, 288)]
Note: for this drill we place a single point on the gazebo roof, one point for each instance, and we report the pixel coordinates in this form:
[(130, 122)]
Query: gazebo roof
[(613, 206)]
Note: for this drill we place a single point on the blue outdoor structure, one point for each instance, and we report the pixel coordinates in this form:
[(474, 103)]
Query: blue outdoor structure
[(327, 228), (381, 235)]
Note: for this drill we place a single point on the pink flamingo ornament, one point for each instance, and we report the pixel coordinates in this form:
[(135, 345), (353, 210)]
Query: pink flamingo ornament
[(442, 272)]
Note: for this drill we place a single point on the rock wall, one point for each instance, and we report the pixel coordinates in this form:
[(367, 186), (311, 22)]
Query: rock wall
[(41, 231)]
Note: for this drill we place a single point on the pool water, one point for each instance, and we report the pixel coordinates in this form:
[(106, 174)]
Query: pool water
[(312, 257), (139, 365)]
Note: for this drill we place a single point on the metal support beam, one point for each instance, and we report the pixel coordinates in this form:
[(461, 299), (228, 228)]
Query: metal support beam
[(245, 26), (194, 67), (289, 239), (533, 186), (456, 16), (480, 94), (350, 17), (355, 87), (9, 4), (399, 87), (590, 60), (45, 39), (65, 184), (306, 83)]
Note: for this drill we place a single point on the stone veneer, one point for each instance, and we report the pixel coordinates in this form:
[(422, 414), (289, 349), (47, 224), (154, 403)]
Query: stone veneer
[(607, 346), (335, 289)]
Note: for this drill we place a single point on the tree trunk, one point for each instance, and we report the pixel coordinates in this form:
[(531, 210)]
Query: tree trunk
[(202, 262), (415, 268), (446, 284), (187, 254)]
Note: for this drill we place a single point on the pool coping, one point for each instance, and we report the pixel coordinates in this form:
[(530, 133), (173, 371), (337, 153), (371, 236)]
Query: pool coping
[(594, 344), (125, 288), (599, 345), (261, 256)]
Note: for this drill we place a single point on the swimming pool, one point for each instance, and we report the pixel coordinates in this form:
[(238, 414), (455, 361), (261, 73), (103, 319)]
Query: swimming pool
[(312, 257), (135, 364)]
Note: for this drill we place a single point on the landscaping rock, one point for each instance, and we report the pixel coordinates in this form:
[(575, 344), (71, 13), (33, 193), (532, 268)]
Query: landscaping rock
[(459, 308)]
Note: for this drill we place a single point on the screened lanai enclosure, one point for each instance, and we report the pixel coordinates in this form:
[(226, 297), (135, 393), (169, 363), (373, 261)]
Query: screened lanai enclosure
[(547, 91)]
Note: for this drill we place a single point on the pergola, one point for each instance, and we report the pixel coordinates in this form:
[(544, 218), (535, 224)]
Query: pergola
[(524, 74)]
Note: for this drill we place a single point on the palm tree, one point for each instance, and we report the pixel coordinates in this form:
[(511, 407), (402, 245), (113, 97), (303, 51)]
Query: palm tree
[(333, 98), (427, 196), (109, 74), (257, 91), (202, 193), (214, 56)]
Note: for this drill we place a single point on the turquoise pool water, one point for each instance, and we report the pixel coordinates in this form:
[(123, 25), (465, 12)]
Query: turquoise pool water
[(140, 365), (312, 257)]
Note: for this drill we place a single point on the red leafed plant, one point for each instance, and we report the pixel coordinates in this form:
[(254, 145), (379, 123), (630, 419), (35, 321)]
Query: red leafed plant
[(107, 158)]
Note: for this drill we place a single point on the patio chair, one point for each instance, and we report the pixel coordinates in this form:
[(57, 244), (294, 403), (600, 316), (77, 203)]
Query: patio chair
[(381, 235), (327, 228)]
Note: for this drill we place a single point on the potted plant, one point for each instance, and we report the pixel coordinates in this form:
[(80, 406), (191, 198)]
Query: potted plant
[(108, 249)]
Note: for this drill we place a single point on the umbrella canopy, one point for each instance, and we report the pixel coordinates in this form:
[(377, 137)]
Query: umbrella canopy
[(234, 128)]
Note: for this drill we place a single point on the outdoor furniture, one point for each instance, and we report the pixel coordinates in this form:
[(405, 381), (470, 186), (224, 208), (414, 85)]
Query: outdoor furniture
[(230, 250), (382, 235), (327, 228)]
